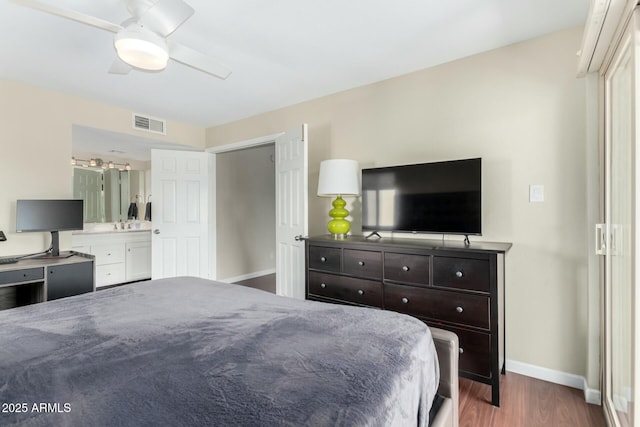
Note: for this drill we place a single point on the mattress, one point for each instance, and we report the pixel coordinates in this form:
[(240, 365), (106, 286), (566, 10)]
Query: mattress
[(190, 351)]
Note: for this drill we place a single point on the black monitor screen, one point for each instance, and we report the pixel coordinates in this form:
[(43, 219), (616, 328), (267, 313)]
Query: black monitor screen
[(49, 215), (440, 197)]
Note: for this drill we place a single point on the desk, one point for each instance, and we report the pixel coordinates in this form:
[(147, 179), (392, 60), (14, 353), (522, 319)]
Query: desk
[(34, 280)]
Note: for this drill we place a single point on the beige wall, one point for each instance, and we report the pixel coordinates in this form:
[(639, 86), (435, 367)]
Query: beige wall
[(246, 211), (522, 110), (35, 146)]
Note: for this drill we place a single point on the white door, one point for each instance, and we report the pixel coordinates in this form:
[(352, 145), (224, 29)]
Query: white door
[(291, 211), (179, 213)]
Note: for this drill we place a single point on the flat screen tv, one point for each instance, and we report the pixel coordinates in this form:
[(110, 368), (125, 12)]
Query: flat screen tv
[(49, 215), (439, 197)]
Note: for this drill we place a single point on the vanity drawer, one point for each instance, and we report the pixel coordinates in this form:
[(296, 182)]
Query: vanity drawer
[(407, 268), (362, 263), (349, 289), (475, 350), (453, 307), (25, 275), (461, 273), (108, 254), (323, 258), (110, 274)]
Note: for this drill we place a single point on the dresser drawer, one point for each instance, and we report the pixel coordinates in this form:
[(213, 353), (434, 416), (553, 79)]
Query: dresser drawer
[(323, 258), (25, 275), (362, 263), (407, 268), (108, 254), (349, 289), (461, 273), (453, 307), (475, 350)]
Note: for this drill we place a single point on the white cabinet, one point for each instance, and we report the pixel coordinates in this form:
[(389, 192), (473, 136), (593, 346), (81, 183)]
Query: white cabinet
[(138, 260), (120, 257)]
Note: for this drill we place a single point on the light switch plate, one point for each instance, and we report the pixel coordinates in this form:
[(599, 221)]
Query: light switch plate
[(3, 238), (536, 193)]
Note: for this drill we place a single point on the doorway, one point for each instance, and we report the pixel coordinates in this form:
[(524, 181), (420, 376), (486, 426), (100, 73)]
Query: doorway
[(291, 201), (245, 212)]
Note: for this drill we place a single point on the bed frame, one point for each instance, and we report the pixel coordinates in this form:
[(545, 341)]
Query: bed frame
[(447, 348)]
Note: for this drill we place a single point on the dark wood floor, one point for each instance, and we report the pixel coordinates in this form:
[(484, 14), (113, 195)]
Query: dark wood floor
[(266, 283), (525, 401)]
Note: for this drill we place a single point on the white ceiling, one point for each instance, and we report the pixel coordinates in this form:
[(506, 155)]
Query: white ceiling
[(281, 51)]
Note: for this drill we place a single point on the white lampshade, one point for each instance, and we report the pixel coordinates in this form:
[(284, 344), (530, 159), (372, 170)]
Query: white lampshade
[(338, 177), (141, 48)]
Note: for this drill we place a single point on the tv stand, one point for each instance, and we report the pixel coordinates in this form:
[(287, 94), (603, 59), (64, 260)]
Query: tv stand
[(373, 234), (466, 240), (444, 283)]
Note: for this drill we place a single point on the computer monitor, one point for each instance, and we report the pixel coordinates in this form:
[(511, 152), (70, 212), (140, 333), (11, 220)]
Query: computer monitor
[(49, 215)]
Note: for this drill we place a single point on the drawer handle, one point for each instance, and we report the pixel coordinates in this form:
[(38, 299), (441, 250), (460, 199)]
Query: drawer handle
[(109, 254), (460, 350), (405, 300), (405, 268), (361, 263), (459, 309), (323, 285), (323, 259), (360, 292), (458, 274)]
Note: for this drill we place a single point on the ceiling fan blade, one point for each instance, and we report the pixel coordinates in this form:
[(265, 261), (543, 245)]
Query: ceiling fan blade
[(70, 14), (118, 66), (164, 17), (197, 60)]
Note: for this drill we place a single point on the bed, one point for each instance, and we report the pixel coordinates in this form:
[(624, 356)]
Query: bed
[(190, 351)]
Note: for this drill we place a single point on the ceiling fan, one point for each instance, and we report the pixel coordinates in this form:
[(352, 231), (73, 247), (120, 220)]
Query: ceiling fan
[(141, 41)]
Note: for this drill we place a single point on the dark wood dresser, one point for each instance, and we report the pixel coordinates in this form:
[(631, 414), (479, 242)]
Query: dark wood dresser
[(443, 283)]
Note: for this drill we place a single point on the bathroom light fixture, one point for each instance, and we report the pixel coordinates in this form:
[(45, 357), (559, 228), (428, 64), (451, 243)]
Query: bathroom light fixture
[(141, 48), (100, 164)]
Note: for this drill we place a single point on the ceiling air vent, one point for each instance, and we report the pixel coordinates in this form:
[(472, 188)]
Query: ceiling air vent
[(149, 124)]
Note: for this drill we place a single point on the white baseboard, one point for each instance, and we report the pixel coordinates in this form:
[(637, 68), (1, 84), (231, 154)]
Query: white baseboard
[(248, 276), (557, 377)]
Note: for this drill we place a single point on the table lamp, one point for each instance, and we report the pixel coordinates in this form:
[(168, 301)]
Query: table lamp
[(338, 177)]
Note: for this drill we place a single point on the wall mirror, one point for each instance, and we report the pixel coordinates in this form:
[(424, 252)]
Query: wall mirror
[(111, 195), (110, 190)]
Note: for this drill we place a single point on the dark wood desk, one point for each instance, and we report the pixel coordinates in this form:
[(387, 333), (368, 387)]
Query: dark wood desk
[(35, 280)]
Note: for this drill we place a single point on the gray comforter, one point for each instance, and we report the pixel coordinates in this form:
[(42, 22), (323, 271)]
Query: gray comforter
[(188, 351)]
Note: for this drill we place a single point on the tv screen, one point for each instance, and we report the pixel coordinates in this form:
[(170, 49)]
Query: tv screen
[(440, 197), (48, 215)]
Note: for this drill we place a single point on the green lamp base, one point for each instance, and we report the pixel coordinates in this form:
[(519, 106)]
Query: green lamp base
[(339, 226)]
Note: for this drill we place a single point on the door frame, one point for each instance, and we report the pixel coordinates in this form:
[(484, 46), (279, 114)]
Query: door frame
[(214, 151), (626, 38)]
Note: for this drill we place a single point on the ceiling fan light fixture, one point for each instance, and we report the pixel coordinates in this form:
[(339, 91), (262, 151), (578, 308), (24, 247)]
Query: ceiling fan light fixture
[(142, 48)]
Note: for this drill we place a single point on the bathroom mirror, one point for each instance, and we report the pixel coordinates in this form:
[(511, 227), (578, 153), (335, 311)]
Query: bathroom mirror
[(110, 195)]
